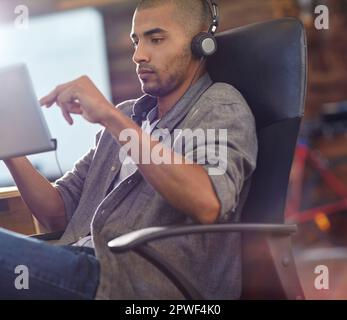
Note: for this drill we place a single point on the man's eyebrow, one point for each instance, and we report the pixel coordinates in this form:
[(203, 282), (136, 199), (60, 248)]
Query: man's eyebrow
[(149, 32)]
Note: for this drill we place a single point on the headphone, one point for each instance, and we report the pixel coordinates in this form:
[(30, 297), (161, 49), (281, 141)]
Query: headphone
[(204, 44)]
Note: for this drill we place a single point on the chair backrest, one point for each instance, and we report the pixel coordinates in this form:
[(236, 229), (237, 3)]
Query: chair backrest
[(266, 62)]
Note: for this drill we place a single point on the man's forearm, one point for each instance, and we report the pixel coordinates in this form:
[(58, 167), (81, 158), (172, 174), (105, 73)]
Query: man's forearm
[(185, 186), (41, 197)]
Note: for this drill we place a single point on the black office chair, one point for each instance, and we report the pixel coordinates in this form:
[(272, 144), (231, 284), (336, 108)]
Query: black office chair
[(266, 62)]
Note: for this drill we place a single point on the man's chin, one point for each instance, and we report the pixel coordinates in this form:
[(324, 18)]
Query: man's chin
[(151, 91)]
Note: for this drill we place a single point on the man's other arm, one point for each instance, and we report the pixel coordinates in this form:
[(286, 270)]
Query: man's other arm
[(40, 196)]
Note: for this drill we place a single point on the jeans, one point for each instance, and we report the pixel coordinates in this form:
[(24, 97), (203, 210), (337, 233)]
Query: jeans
[(33, 269)]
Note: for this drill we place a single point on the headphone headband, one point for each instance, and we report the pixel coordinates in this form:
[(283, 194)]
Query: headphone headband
[(215, 16)]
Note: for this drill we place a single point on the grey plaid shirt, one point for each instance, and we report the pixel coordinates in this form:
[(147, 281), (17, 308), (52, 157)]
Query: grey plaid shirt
[(210, 261)]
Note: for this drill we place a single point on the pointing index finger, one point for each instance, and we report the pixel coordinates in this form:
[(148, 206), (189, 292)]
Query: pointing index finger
[(49, 99)]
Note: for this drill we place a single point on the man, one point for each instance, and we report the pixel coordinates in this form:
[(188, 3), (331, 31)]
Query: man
[(112, 190)]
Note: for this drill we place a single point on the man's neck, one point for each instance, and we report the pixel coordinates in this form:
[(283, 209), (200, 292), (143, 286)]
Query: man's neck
[(165, 104)]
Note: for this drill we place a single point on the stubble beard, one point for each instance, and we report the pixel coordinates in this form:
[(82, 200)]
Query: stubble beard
[(165, 86)]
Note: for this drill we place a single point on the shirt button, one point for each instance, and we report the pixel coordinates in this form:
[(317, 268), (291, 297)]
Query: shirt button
[(80, 238), (113, 168)]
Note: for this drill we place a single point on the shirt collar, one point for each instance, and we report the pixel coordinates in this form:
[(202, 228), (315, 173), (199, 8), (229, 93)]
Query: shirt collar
[(146, 103), (152, 114)]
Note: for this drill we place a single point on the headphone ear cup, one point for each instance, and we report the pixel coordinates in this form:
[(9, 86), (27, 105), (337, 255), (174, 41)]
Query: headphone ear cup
[(204, 44)]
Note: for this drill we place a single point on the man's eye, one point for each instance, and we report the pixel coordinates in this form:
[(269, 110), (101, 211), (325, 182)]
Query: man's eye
[(157, 40)]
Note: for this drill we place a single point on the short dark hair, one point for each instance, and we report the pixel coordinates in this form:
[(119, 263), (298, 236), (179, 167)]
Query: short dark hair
[(195, 15)]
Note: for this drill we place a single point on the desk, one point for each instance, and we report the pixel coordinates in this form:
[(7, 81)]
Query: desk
[(14, 214), (8, 193)]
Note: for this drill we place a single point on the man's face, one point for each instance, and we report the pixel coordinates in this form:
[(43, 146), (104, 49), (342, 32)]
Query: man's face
[(162, 50)]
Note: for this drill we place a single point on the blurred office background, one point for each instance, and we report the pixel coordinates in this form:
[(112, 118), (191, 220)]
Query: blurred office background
[(68, 38)]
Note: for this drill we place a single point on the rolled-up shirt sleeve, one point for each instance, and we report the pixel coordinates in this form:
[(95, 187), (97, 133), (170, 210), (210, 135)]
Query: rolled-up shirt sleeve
[(227, 151), (70, 186)]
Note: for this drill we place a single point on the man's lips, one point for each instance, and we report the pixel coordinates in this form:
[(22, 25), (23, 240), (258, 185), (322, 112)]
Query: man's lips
[(144, 71)]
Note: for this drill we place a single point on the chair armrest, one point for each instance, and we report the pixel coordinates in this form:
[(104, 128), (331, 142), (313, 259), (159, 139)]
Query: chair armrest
[(48, 236), (136, 238)]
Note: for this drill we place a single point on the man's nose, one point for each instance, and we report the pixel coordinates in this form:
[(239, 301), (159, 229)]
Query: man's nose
[(140, 54)]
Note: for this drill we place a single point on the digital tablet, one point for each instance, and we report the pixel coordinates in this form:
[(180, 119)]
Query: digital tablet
[(23, 128)]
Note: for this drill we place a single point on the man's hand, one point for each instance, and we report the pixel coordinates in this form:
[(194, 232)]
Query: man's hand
[(82, 97)]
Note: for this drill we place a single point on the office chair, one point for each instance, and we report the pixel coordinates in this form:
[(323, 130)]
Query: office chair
[(266, 62)]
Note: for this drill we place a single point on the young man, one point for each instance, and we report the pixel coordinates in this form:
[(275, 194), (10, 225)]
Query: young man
[(113, 190)]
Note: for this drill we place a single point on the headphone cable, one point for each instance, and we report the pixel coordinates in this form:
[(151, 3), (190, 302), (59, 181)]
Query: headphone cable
[(55, 142), (58, 163), (196, 72)]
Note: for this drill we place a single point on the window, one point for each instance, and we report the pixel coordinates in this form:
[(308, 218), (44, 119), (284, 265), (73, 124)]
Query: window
[(58, 48)]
